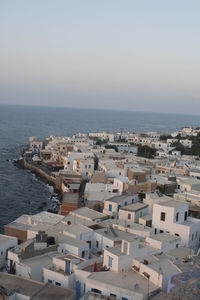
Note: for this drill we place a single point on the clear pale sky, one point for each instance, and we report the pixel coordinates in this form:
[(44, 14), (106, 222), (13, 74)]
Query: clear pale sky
[(139, 55)]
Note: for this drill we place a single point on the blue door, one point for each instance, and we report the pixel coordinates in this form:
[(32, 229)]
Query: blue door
[(67, 267), (78, 290)]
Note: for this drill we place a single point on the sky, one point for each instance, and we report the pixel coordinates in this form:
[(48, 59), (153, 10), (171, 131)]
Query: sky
[(139, 55)]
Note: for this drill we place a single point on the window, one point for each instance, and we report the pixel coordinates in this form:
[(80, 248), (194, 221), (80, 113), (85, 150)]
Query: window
[(192, 237), (96, 291), (129, 216), (185, 217), (89, 242), (196, 235), (1, 252), (113, 295), (124, 298), (176, 234), (161, 231), (57, 283), (110, 261), (162, 216), (50, 281), (176, 245), (125, 203), (155, 230), (177, 215), (110, 207), (97, 244)]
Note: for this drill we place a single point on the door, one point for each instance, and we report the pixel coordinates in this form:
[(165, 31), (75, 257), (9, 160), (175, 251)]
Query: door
[(78, 290), (67, 267)]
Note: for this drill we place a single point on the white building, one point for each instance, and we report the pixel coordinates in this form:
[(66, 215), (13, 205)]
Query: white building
[(126, 285), (121, 183), (157, 268), (152, 198), (162, 145), (133, 212), (76, 156), (172, 217), (186, 184), (164, 241), (61, 272), (85, 167), (186, 143), (112, 205), (110, 168), (192, 197), (14, 287)]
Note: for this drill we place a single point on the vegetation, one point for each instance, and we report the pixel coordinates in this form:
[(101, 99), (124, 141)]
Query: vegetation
[(146, 151), (161, 189), (164, 137), (178, 147), (98, 142), (194, 150), (111, 147), (141, 196), (122, 140)]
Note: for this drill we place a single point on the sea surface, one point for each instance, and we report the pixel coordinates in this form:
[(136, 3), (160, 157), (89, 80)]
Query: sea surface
[(21, 192)]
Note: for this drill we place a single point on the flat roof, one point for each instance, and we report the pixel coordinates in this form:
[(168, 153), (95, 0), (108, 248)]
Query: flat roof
[(119, 198), (54, 292), (62, 238), (35, 290), (124, 280), (161, 237), (77, 229), (74, 220), (126, 224), (160, 263), (147, 217), (45, 259), (117, 250), (115, 234), (88, 213), (134, 207), (173, 203), (179, 253)]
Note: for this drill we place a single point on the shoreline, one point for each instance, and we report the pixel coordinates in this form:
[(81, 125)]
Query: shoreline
[(50, 180)]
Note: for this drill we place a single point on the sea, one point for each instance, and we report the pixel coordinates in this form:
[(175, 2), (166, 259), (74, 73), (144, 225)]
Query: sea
[(21, 192)]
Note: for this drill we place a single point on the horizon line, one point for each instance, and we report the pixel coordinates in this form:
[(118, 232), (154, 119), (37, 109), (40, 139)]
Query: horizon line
[(100, 109)]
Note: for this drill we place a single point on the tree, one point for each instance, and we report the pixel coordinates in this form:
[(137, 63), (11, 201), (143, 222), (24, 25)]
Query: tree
[(112, 147), (164, 137), (146, 151), (98, 142)]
